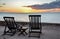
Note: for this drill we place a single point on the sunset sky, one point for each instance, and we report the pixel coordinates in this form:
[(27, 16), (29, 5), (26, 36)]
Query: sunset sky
[(17, 5)]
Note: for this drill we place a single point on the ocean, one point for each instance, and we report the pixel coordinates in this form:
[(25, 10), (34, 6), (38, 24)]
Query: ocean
[(46, 17)]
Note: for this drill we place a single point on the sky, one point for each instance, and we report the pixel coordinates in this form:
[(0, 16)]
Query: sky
[(24, 2), (16, 5)]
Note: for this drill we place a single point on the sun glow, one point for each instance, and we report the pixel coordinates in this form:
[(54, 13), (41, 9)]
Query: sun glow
[(19, 9), (26, 9)]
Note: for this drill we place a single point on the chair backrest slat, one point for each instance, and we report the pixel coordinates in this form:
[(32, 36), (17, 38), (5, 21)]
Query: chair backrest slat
[(10, 22), (35, 21)]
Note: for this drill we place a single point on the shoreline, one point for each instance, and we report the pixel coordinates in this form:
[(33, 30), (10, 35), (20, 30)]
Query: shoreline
[(2, 23)]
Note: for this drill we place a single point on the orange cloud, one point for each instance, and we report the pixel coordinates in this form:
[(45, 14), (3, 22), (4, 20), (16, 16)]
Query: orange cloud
[(27, 10), (54, 10), (21, 9), (40, 10), (46, 10), (6, 9)]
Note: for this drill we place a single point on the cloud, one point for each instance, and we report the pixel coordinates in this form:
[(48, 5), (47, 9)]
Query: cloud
[(55, 4)]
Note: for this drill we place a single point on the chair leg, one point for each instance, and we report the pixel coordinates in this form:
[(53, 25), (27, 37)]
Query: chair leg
[(40, 32), (41, 29), (21, 33), (29, 33), (39, 35), (13, 33), (26, 33), (4, 33)]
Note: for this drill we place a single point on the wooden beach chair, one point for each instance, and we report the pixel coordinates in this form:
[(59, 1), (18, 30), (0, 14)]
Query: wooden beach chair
[(11, 25), (35, 25)]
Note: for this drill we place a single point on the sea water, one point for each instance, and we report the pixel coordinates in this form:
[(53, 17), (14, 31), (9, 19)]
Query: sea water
[(46, 17)]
